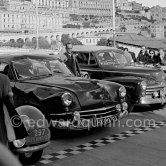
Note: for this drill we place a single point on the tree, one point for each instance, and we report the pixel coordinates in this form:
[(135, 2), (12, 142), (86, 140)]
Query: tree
[(102, 42), (43, 43), (20, 43), (66, 39)]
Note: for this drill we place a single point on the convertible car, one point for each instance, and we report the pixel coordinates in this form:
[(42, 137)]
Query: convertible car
[(68, 102), (144, 85)]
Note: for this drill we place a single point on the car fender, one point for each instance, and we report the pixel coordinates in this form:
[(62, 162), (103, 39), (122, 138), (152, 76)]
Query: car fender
[(36, 119)]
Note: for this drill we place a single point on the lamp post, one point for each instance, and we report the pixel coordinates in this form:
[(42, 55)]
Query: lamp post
[(113, 19), (37, 25)]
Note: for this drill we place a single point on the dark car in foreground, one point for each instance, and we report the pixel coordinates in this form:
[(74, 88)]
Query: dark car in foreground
[(68, 102), (30, 149), (144, 85)]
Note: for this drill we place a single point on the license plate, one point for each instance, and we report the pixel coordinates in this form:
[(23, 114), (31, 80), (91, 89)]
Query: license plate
[(38, 136), (97, 122)]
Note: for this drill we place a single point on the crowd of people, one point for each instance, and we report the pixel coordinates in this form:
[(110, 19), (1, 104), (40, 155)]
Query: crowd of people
[(146, 56)]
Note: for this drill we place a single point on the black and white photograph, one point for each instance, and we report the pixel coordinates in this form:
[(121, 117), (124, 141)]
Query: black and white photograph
[(82, 82)]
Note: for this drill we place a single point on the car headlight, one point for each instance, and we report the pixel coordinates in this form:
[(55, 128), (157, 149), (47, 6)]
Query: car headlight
[(125, 106), (19, 143), (118, 107), (122, 91), (67, 99), (143, 85)]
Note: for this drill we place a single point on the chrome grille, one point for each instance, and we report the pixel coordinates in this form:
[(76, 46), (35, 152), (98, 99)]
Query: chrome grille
[(150, 91), (98, 113)]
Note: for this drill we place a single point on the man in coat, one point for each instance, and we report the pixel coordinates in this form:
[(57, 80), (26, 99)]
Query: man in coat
[(6, 98), (70, 59)]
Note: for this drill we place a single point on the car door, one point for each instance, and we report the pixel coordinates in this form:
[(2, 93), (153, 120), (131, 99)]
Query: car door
[(87, 62), (7, 69)]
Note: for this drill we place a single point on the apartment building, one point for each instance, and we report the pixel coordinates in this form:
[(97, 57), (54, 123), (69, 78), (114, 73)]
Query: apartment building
[(18, 16), (91, 7), (158, 29)]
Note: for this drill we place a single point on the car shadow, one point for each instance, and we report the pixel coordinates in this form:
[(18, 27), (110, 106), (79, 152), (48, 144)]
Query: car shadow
[(68, 135), (146, 108)]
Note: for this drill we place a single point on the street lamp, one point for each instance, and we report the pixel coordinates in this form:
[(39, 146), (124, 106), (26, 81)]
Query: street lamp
[(37, 25), (113, 19)]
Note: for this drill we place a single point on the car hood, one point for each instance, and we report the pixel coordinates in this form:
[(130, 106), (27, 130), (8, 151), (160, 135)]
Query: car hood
[(88, 92), (139, 71)]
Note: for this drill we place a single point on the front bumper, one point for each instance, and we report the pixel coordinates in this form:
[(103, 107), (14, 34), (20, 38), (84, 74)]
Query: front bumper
[(30, 149), (91, 118), (150, 100), (155, 95)]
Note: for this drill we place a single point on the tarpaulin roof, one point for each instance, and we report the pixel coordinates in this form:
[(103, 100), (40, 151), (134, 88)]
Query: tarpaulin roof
[(139, 40)]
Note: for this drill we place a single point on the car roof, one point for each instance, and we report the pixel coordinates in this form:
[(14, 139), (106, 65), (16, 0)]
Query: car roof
[(89, 48), (12, 54)]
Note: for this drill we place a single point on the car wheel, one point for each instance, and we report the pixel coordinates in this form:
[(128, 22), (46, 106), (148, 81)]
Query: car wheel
[(30, 158)]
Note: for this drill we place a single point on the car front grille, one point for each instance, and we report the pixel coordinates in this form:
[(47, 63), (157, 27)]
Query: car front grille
[(98, 113), (151, 90)]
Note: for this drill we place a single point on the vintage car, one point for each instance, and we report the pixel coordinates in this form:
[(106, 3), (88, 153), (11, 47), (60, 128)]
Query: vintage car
[(144, 85), (30, 149), (68, 102)]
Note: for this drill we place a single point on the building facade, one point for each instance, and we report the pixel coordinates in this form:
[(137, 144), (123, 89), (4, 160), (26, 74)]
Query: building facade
[(91, 7), (18, 16), (158, 13), (158, 30), (136, 6), (123, 5)]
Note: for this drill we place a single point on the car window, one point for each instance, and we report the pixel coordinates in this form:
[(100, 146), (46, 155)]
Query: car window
[(27, 68), (106, 58), (5, 69), (59, 67), (121, 59), (83, 58), (92, 60)]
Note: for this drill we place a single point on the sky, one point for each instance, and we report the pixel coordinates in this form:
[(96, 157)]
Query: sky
[(151, 3)]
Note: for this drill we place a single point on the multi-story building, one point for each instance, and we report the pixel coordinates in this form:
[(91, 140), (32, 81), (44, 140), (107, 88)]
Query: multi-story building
[(136, 6), (158, 29), (123, 5), (91, 7), (146, 13), (23, 16), (158, 13)]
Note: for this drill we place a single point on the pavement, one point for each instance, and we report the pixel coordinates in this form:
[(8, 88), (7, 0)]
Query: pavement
[(138, 143)]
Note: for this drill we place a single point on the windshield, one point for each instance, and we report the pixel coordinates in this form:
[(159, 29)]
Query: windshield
[(28, 68), (59, 67), (111, 58)]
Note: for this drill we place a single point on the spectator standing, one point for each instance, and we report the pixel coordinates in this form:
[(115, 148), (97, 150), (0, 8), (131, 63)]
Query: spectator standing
[(150, 58), (142, 56), (162, 56), (128, 55), (70, 60)]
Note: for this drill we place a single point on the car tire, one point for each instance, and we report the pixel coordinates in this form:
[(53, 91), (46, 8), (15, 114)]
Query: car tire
[(30, 159)]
